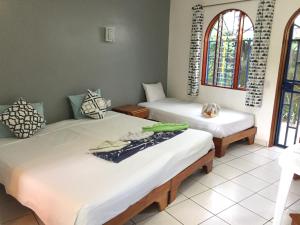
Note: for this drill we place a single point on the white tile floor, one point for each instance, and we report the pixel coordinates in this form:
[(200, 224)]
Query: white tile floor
[(241, 190)]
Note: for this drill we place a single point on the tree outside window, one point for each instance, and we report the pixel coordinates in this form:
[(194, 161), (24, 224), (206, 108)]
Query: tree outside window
[(227, 49)]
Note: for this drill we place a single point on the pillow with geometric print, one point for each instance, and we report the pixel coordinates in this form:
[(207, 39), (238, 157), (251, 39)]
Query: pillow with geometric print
[(94, 106), (4, 130), (22, 119)]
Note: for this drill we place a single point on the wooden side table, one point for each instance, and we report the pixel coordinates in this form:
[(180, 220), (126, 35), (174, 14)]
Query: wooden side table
[(133, 110)]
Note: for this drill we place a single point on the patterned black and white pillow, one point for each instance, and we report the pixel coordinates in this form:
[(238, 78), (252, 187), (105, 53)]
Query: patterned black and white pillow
[(94, 106), (22, 119)]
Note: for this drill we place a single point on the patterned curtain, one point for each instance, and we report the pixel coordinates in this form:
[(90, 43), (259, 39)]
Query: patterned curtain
[(260, 52), (195, 51)]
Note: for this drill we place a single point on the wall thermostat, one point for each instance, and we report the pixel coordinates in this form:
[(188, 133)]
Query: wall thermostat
[(109, 34)]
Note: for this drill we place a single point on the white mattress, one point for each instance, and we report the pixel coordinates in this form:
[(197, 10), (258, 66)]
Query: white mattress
[(226, 123), (52, 173)]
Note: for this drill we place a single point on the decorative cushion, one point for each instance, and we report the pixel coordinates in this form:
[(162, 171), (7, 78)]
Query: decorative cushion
[(22, 119), (154, 92), (76, 102), (210, 110), (94, 106), (4, 130)]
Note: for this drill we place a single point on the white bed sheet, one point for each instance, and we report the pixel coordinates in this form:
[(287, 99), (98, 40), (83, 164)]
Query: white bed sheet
[(226, 123), (52, 173)]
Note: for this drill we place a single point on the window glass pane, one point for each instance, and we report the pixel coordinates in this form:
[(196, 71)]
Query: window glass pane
[(222, 50), (283, 125), (294, 59), (211, 55), (293, 122), (284, 117), (294, 111), (225, 65), (296, 33), (248, 34), (297, 77), (214, 32)]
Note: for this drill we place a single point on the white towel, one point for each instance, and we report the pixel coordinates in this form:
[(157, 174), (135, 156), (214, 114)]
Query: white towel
[(135, 136), (108, 146)]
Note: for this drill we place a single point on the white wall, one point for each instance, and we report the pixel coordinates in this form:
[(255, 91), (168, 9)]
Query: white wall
[(179, 42)]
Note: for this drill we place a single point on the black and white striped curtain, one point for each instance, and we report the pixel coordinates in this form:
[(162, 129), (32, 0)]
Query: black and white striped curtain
[(194, 75), (260, 52)]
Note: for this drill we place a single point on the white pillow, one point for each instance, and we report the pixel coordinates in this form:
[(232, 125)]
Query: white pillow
[(154, 92)]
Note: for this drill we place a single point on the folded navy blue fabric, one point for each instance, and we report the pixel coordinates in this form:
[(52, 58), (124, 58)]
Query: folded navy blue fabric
[(137, 146)]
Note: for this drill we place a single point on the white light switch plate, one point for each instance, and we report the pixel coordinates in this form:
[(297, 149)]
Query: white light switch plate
[(109, 34)]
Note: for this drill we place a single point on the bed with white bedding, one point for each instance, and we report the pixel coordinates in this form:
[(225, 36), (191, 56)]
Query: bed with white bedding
[(226, 124), (53, 174)]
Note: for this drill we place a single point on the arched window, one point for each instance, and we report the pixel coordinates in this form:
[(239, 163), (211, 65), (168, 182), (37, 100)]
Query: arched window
[(227, 49)]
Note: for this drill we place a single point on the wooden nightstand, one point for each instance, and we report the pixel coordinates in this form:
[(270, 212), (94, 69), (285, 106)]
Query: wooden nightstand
[(133, 110)]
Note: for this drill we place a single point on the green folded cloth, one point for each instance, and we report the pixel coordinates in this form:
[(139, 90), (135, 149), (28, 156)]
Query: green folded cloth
[(166, 127)]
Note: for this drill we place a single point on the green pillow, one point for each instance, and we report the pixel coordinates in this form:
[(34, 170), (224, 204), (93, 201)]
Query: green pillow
[(4, 131), (76, 102)]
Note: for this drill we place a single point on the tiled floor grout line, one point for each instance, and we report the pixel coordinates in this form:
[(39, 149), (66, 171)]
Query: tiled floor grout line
[(235, 203), (247, 172), (213, 217), (249, 152), (254, 193), (174, 217), (231, 180), (296, 202), (267, 222)]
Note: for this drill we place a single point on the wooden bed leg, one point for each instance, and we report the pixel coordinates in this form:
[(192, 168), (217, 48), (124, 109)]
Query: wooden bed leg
[(250, 139), (221, 150), (220, 147), (221, 144), (208, 167), (163, 202), (173, 194), (251, 135)]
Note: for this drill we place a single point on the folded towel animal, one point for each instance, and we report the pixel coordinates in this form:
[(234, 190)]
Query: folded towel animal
[(166, 127), (210, 110)]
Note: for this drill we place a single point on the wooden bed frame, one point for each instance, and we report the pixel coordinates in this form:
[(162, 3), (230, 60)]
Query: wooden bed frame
[(221, 144), (206, 162), (166, 193)]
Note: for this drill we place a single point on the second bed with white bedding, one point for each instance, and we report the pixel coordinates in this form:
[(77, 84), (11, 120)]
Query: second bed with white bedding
[(228, 122), (53, 174)]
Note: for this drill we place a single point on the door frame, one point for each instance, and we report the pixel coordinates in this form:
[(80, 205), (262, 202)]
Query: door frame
[(282, 66)]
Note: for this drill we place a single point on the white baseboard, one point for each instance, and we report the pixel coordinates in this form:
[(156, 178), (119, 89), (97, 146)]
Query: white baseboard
[(261, 142)]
